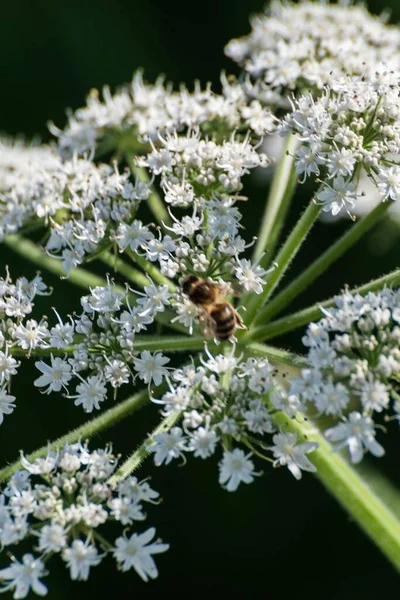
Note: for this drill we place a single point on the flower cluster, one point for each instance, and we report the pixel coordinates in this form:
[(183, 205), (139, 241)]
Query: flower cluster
[(104, 345), (141, 111), (60, 502), (204, 176), (89, 207), (82, 203), (355, 365), (17, 330), (227, 403), (295, 47), (25, 184), (353, 127)]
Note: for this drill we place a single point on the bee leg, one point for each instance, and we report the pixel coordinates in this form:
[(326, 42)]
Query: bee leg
[(239, 322)]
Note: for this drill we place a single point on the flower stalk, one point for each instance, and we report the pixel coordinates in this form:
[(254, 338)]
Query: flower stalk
[(373, 516), (136, 459), (283, 260), (321, 264), (281, 192), (314, 312), (105, 420)]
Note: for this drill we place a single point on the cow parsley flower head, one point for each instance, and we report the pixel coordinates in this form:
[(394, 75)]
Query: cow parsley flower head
[(355, 362), (351, 129), (227, 405), (18, 329), (298, 46), (145, 110), (60, 503)]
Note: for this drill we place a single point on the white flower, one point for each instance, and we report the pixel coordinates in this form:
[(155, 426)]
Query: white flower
[(55, 376), (342, 195), (374, 395), (22, 504), (235, 468), (293, 456), (117, 373), (203, 442), (126, 511), (22, 577), (32, 335), (250, 276), (137, 491), (80, 557), (389, 182), (8, 366), (7, 404), (61, 334), (332, 398), (40, 466), (167, 446), (358, 433), (257, 418), (155, 298), (305, 45), (90, 393), (136, 552), (150, 367), (52, 538)]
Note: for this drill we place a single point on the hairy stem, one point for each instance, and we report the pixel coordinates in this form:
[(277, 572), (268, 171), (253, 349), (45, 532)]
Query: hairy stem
[(135, 460), (348, 487), (319, 266), (283, 260), (276, 355), (33, 253), (153, 343), (314, 312), (107, 419)]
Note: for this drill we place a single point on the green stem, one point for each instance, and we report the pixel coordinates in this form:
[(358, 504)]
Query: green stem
[(346, 485), (283, 260), (120, 266), (107, 419), (36, 352), (276, 355), (134, 461), (32, 252), (320, 266), (281, 192), (152, 270), (177, 343), (153, 343), (155, 203), (314, 312), (80, 277)]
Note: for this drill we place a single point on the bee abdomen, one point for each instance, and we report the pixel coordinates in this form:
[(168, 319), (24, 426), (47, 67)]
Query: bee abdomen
[(224, 319)]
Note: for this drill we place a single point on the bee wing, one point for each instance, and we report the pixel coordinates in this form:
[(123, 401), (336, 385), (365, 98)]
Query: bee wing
[(237, 289), (231, 288), (207, 325)]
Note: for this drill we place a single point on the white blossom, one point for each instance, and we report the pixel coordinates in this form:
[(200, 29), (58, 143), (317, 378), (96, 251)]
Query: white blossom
[(235, 468), (136, 552)]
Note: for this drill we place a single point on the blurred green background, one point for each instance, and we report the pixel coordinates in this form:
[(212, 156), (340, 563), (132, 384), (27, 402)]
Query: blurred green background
[(276, 538)]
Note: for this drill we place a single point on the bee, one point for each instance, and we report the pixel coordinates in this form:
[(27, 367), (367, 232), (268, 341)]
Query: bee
[(217, 318)]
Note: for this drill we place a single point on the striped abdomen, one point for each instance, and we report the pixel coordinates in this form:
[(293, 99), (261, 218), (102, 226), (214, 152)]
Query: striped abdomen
[(224, 318)]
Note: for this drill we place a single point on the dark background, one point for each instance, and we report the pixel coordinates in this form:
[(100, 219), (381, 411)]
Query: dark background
[(277, 537)]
